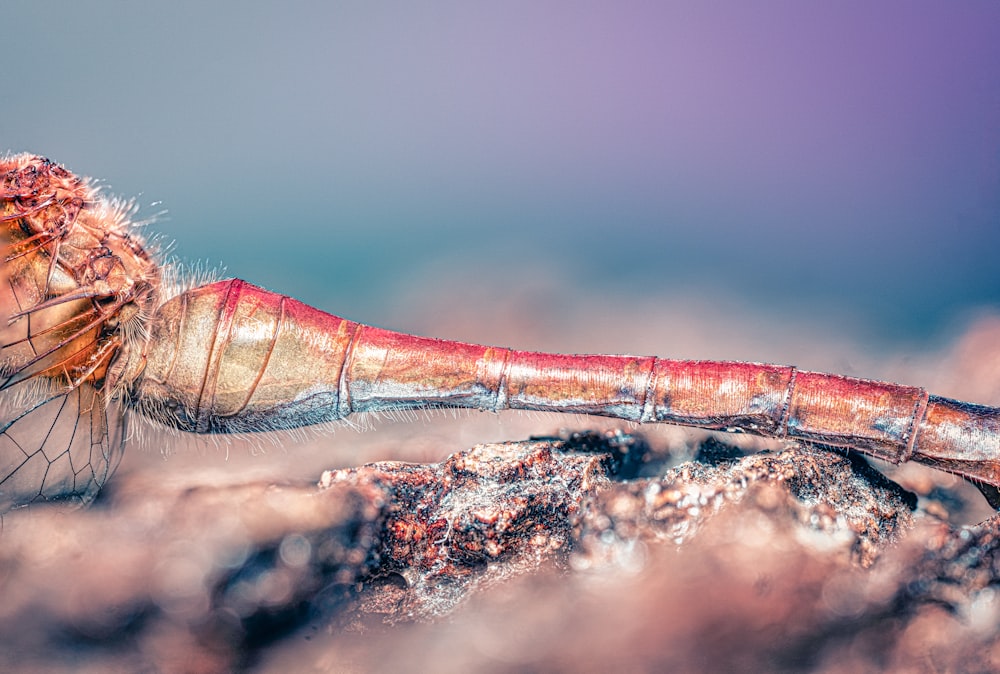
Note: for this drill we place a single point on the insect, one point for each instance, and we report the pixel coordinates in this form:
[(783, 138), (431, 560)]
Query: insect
[(90, 335)]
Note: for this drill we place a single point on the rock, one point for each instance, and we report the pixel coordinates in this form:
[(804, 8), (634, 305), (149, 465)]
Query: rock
[(584, 552)]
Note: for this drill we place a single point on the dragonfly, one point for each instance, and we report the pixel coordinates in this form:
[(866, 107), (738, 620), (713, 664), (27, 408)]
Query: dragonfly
[(91, 336)]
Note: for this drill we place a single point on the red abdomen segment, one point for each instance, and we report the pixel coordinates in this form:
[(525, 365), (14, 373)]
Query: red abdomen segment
[(231, 357)]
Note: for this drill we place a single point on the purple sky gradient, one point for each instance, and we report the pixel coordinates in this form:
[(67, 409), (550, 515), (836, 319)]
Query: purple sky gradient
[(838, 157)]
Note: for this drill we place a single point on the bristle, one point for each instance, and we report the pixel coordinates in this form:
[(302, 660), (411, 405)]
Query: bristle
[(78, 286)]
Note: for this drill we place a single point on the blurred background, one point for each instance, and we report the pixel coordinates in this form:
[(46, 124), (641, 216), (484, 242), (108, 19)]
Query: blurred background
[(499, 172), (807, 183)]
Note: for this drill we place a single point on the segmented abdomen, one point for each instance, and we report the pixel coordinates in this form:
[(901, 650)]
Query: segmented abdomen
[(231, 357)]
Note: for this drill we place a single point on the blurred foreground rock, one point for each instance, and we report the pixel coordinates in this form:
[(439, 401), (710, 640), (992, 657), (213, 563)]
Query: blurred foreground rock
[(583, 553)]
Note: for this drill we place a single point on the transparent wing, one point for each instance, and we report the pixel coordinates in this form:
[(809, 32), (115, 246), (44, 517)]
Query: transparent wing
[(60, 446)]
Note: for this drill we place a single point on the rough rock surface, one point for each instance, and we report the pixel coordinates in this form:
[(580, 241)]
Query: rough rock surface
[(581, 553)]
